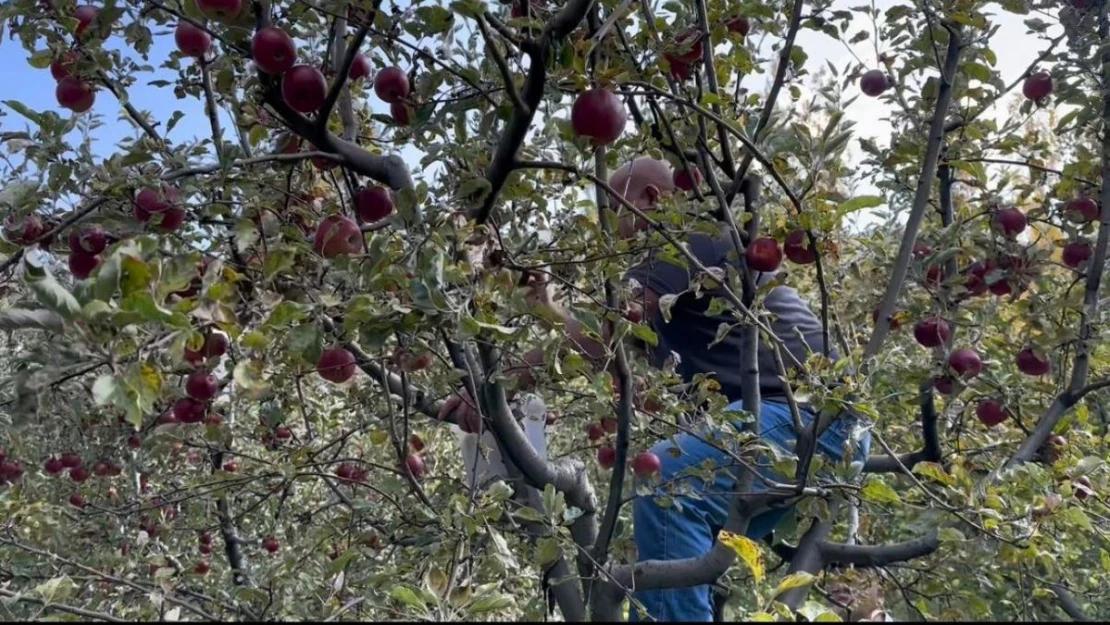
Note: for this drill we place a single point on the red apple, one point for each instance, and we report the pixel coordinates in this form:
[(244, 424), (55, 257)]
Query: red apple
[(1009, 221), (62, 67), (417, 443), (595, 432), (1032, 362), (72, 460), (600, 115), (82, 265), (645, 463), (874, 82), (85, 15), (401, 113), (231, 466), (1081, 210), (215, 345), (797, 249), (681, 71), (337, 235), (77, 500), (273, 51), (345, 471), (53, 466), (24, 231), (965, 363), (1081, 4), (283, 433), (74, 95), (688, 48), (934, 275), (214, 420), (91, 240), (134, 442), (202, 568), (288, 143), (168, 221), (149, 202), (10, 471), (192, 41), (931, 332), (360, 67), (336, 365), (739, 24), (223, 10), (391, 85), (189, 410), (304, 88), (606, 457), (79, 474), (609, 425), (687, 181), (1076, 254), (201, 385), (764, 254), (975, 278), (373, 203), (1037, 86), (271, 544), (991, 412), (415, 466), (944, 384)]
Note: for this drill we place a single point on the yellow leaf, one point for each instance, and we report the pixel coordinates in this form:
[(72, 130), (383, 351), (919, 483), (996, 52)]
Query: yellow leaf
[(761, 617), (794, 580), (748, 551)]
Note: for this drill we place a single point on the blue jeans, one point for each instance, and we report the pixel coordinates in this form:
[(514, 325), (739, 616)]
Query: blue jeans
[(673, 532)]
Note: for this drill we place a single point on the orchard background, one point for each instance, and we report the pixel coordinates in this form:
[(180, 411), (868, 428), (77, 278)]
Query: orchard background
[(223, 347)]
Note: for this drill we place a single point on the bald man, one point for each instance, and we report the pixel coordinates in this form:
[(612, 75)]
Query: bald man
[(696, 508)]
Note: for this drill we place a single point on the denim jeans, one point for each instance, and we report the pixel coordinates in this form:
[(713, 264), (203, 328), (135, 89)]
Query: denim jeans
[(688, 530)]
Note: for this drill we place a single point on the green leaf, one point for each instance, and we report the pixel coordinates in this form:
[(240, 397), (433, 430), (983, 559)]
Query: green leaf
[(876, 491), (978, 72), (22, 319), (135, 275), (407, 596), (645, 334), (858, 203), (547, 551), (248, 376), (49, 292), (41, 59), (800, 579), (528, 514), (22, 109), (489, 603)]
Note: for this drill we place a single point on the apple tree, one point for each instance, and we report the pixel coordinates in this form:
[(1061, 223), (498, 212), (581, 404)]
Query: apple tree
[(225, 353)]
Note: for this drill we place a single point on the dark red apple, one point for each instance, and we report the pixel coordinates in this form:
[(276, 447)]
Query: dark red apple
[(337, 235), (149, 201), (373, 203), (975, 278), (416, 443), (931, 332), (739, 24), (79, 474), (595, 432), (609, 425), (304, 88), (764, 254), (360, 67), (687, 181), (401, 113), (189, 410), (62, 67), (201, 385), (336, 365), (1032, 362), (645, 464), (77, 500), (1081, 210), (681, 71), (91, 240), (23, 231), (934, 275), (71, 460), (214, 420), (874, 82), (600, 115), (415, 466), (606, 457), (215, 345), (944, 384), (53, 466), (688, 48), (283, 433), (1009, 221), (345, 471), (74, 95), (202, 568), (10, 471), (1037, 86), (1076, 254), (168, 221), (271, 544), (192, 41), (231, 466), (965, 363), (273, 51), (82, 265), (991, 412), (797, 250), (134, 442), (223, 10), (85, 15), (391, 85)]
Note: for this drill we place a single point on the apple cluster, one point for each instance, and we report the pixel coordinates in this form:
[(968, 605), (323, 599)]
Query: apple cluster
[(73, 90)]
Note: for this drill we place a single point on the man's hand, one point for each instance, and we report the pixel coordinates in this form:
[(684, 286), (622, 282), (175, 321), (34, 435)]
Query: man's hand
[(467, 416), (538, 292)]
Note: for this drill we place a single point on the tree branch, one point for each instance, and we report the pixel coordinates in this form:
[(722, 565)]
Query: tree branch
[(879, 555), (61, 607)]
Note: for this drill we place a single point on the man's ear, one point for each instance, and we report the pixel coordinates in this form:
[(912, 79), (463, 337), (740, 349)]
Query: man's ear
[(652, 193)]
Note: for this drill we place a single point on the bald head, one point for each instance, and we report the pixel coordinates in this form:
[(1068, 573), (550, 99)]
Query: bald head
[(643, 181)]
